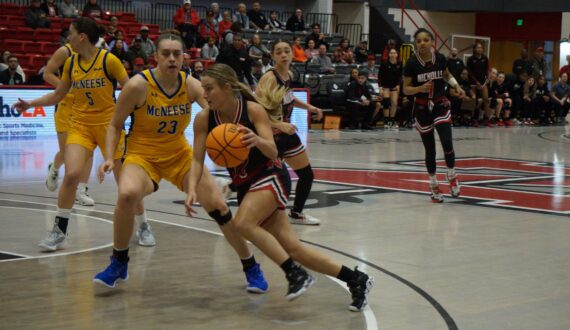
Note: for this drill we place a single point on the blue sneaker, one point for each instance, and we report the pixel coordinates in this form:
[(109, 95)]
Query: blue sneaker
[(116, 271), (256, 282)]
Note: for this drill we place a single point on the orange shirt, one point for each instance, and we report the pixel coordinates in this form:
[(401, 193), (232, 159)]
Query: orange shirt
[(299, 54)]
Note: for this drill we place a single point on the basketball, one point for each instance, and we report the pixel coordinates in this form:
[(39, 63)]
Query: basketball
[(224, 146)]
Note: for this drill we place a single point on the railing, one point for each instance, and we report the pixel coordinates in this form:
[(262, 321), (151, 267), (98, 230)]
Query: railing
[(352, 32), (327, 21), (437, 36), (163, 13)]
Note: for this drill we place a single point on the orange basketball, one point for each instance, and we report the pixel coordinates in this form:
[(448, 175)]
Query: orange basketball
[(224, 146)]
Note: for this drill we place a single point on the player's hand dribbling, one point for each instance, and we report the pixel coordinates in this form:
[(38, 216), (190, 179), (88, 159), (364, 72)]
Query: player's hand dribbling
[(21, 105), (249, 138), (105, 168), (190, 199)]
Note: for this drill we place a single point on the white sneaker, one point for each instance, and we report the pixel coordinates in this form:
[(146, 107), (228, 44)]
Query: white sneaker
[(51, 178), (436, 195), (303, 219), (55, 240), (145, 236), (224, 185), (454, 187), (83, 198)]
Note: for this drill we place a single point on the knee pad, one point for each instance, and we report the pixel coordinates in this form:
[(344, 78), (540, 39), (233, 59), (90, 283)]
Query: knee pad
[(221, 219), (305, 173)]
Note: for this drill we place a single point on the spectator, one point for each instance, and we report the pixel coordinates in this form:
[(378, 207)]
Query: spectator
[(371, 68), (311, 51), (560, 95), (187, 64), (197, 70), (138, 66), (229, 34), (353, 75), (539, 65), (146, 44), (64, 36), (257, 19), (4, 64), (225, 24), (101, 43), (119, 36), (266, 63), (323, 60), (257, 49), (68, 10), (391, 44), (275, 23), (523, 63), (135, 51), (11, 76), (298, 51), (359, 102), (50, 8), (113, 29), (468, 102), (317, 36), (529, 104), (209, 50), (455, 65), (237, 57), (118, 50), (93, 10), (215, 10), (296, 23), (478, 66), (186, 21), (544, 108), (361, 53), (343, 54), (565, 67), (501, 93), (496, 103), (208, 28), (241, 16), (390, 78), (35, 17)]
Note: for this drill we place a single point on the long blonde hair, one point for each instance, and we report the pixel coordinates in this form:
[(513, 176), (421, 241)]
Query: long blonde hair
[(224, 74), (270, 96)]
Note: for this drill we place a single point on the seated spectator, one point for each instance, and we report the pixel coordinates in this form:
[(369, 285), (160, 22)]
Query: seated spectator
[(146, 44), (197, 70), (454, 64), (68, 10), (186, 21), (343, 54), (36, 17), (4, 64), (317, 36), (236, 56), (544, 109), (113, 29), (359, 102), (523, 63), (118, 50), (353, 75), (101, 43), (323, 60), (210, 51), (495, 104), (560, 95), (296, 23), (241, 16), (275, 23), (50, 8), (118, 36), (564, 69), (266, 63), (257, 19), (93, 10), (389, 45), (187, 64), (11, 76), (229, 34), (215, 10), (225, 24), (256, 70), (298, 51), (64, 36), (361, 52), (135, 51), (208, 28), (371, 68), (467, 103), (311, 51), (529, 102), (138, 66), (256, 48), (504, 101)]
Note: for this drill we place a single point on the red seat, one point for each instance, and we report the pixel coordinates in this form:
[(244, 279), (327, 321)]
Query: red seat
[(15, 21), (153, 28), (6, 33), (46, 35), (14, 46), (125, 17), (32, 47), (49, 47), (24, 33), (194, 52)]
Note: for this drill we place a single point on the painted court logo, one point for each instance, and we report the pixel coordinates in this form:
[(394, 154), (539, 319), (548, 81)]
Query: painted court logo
[(496, 182)]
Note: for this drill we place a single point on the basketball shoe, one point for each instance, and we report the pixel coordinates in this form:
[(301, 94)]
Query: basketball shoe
[(83, 198), (51, 178), (55, 240), (224, 185), (359, 289), (115, 272), (436, 195), (299, 282), (300, 218), (256, 282), (145, 236), (454, 187)]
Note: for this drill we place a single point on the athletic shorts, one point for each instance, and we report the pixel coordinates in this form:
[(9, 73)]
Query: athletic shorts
[(276, 180), (172, 168), (91, 136), (493, 102), (427, 119), (288, 145), (63, 113)]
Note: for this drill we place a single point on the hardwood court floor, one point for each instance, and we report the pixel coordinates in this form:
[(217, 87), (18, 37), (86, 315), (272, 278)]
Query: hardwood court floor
[(495, 258)]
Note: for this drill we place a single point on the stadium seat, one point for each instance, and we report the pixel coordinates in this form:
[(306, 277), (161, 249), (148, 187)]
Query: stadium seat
[(194, 52), (46, 35), (5, 32), (14, 46), (15, 21), (32, 47), (24, 33), (49, 47), (125, 17)]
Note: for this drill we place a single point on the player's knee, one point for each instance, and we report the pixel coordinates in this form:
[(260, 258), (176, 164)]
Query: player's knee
[(499, 102), (219, 218), (72, 177), (128, 196)]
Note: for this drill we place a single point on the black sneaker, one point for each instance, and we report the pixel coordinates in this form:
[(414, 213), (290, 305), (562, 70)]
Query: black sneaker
[(299, 282), (359, 288)]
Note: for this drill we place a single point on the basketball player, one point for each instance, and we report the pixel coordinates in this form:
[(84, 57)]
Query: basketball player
[(52, 75), (159, 103), (91, 74), (290, 147), (390, 78), (263, 185), (425, 76)]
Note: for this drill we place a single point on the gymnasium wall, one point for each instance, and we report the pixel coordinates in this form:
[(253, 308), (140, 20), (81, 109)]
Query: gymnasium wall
[(565, 30), (502, 26)]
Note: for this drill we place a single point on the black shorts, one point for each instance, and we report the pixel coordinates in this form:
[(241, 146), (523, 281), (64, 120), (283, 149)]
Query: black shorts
[(427, 119), (493, 102), (275, 179), (288, 145)]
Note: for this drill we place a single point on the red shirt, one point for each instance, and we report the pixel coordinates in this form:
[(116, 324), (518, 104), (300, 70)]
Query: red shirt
[(223, 26), (182, 17)]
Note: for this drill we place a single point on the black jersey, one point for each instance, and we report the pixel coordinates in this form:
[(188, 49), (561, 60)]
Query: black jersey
[(542, 91), (422, 72), (256, 162), (455, 66), (478, 68), (390, 74), (501, 90), (289, 98)]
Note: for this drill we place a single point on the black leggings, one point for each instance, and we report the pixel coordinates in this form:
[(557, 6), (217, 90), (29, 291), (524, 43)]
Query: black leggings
[(428, 139)]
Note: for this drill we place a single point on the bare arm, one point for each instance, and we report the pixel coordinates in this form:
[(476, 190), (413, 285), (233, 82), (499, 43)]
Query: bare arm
[(411, 90), (198, 154), (196, 92), (55, 62), (264, 139), (52, 98)]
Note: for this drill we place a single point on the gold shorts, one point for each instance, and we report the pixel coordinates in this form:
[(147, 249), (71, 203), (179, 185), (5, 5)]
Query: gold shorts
[(62, 114), (91, 136)]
